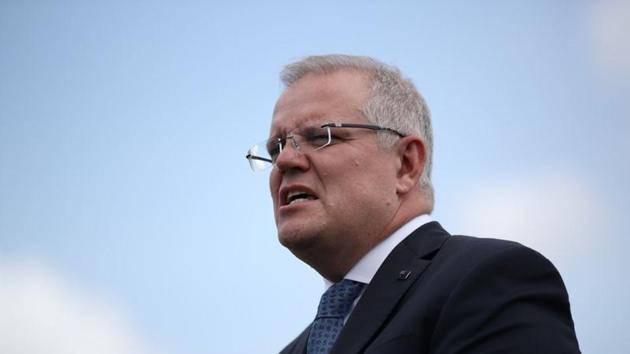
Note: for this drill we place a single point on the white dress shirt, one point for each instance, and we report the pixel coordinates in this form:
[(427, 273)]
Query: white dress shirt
[(364, 270)]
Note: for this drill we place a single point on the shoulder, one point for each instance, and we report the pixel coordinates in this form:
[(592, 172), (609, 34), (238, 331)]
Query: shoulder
[(480, 245), (493, 285), (465, 263), (452, 257), (474, 251), (432, 240)]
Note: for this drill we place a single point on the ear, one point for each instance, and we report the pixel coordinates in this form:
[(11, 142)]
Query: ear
[(412, 155)]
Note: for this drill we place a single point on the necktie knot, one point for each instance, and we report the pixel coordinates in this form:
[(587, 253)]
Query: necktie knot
[(338, 299)]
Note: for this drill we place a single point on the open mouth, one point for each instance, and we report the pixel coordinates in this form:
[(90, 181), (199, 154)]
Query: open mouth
[(297, 197)]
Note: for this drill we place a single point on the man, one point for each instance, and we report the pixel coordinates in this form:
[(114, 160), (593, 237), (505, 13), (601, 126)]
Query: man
[(350, 145)]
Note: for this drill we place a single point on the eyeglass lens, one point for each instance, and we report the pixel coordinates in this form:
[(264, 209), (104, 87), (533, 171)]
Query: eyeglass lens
[(304, 140)]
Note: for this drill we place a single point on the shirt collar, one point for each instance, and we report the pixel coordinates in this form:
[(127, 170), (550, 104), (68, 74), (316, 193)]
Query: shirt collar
[(363, 271)]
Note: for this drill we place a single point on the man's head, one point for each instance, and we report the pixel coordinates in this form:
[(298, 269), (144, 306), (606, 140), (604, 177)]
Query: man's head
[(338, 191), (393, 101)]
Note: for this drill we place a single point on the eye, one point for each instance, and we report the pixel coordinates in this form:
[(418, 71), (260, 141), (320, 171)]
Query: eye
[(316, 136), (334, 136), (318, 139), (274, 146)]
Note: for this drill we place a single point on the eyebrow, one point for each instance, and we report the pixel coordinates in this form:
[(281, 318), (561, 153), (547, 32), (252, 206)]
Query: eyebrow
[(315, 120)]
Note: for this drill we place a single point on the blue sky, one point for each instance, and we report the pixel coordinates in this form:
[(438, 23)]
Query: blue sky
[(131, 223)]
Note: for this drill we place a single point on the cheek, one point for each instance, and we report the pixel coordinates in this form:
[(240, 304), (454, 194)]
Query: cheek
[(370, 183), (274, 185)]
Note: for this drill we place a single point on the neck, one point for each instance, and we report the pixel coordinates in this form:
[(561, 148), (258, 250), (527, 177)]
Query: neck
[(333, 263)]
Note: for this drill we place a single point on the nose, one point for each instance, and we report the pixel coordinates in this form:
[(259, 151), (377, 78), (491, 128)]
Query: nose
[(294, 142), (290, 158)]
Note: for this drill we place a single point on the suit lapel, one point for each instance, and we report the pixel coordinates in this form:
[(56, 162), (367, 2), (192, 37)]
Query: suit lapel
[(298, 346), (399, 271)]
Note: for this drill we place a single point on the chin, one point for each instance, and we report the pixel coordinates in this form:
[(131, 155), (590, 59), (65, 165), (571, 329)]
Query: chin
[(296, 239)]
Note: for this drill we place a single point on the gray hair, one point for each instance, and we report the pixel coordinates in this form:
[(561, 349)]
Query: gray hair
[(394, 103)]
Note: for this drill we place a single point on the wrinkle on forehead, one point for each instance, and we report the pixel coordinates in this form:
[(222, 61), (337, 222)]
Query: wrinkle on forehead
[(318, 97)]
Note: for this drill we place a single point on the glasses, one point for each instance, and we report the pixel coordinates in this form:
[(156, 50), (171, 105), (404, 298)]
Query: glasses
[(304, 140)]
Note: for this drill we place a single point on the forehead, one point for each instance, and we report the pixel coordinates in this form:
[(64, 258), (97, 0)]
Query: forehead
[(320, 98)]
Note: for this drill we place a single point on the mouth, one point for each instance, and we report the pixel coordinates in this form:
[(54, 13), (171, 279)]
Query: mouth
[(294, 195)]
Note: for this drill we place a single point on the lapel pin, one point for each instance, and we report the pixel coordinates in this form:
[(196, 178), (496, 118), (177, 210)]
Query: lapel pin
[(404, 274)]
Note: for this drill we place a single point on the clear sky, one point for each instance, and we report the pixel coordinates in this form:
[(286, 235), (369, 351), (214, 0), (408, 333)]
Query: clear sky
[(131, 223)]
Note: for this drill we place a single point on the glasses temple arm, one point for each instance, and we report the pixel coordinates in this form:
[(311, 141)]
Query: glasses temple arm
[(254, 157), (364, 126)]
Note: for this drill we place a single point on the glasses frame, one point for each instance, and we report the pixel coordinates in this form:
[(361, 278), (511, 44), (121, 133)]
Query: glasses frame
[(283, 141)]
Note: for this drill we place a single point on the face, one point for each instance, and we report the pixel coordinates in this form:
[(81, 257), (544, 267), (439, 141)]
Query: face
[(337, 201)]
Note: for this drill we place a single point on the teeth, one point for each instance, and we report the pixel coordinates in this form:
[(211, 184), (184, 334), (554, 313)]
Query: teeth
[(297, 201), (297, 195), (292, 194)]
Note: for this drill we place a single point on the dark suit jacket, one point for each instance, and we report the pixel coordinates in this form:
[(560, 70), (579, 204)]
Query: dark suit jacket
[(463, 295)]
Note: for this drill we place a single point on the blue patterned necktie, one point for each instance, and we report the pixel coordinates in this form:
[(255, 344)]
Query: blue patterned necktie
[(334, 305)]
